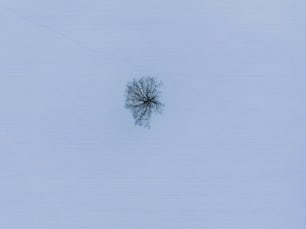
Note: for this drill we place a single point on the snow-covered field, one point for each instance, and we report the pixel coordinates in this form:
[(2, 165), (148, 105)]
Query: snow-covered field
[(229, 151)]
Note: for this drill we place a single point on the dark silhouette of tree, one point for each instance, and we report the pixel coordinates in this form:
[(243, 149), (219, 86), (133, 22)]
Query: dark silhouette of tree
[(143, 99)]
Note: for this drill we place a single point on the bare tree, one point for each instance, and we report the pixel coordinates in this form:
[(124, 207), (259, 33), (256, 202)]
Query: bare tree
[(143, 99)]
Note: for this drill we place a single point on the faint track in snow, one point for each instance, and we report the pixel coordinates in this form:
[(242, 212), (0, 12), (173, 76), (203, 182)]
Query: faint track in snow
[(60, 34), (46, 27)]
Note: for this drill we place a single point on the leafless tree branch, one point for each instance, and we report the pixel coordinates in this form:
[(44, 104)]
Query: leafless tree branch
[(143, 99)]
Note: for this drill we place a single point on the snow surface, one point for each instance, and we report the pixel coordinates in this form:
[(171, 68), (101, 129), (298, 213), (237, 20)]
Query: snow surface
[(229, 151)]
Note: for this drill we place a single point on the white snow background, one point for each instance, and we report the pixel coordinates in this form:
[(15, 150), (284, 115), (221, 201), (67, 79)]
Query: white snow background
[(227, 153)]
